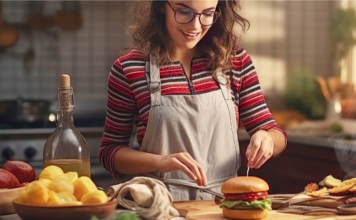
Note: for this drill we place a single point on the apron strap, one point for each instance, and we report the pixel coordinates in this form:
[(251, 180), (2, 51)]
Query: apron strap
[(226, 91), (154, 80), (223, 84)]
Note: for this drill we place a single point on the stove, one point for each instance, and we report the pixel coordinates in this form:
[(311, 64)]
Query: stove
[(26, 142)]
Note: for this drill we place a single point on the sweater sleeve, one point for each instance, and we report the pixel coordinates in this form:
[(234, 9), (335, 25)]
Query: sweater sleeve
[(119, 118), (252, 108)]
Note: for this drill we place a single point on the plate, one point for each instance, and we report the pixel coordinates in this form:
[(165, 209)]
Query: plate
[(6, 198), (60, 212)]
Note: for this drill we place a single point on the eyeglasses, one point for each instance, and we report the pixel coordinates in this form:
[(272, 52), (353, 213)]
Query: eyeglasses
[(186, 15)]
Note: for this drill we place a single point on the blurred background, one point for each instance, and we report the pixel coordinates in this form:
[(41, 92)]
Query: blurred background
[(304, 53), (302, 50)]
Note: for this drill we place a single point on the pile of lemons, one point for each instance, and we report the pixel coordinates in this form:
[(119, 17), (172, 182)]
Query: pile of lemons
[(54, 187)]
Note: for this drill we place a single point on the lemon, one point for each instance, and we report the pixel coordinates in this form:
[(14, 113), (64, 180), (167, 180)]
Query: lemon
[(82, 186), (93, 197), (34, 193), (70, 176), (53, 198), (62, 198), (61, 185), (45, 181), (50, 172)]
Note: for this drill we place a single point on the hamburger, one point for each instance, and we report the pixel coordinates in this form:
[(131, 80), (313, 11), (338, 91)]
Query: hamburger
[(245, 198)]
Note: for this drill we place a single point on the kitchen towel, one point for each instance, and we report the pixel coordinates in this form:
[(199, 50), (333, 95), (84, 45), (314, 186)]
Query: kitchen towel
[(150, 198)]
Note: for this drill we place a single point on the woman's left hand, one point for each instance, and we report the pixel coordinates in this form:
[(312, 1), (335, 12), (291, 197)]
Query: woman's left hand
[(260, 149)]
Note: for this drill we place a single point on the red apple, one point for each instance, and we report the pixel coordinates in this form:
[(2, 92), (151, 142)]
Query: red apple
[(8, 180), (23, 184), (23, 171)]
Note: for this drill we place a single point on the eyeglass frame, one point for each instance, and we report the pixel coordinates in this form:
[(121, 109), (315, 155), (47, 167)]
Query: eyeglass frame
[(218, 14)]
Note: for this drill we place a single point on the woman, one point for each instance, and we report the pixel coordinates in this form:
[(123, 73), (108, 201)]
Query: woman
[(185, 86)]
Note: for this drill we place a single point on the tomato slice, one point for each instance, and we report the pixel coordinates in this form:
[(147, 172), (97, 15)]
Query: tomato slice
[(246, 196)]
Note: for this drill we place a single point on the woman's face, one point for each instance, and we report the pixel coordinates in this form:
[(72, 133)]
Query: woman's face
[(188, 35)]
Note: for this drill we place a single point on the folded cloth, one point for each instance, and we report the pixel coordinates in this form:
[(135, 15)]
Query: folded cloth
[(151, 198)]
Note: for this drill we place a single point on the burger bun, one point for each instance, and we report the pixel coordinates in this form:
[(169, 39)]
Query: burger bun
[(244, 184), (244, 214)]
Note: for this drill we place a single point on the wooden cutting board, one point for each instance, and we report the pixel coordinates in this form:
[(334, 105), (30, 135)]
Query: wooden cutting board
[(208, 210)]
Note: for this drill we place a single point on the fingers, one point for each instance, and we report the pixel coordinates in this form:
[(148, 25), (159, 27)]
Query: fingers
[(267, 155), (201, 170), (264, 153), (248, 151), (252, 151), (191, 164), (184, 168)]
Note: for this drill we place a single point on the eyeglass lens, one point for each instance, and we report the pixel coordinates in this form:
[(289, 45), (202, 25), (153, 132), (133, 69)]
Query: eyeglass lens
[(186, 15)]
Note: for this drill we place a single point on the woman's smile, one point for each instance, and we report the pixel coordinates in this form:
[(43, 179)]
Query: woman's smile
[(190, 35), (185, 28)]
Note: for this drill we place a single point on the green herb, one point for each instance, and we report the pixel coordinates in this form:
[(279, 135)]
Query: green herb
[(337, 127), (342, 28), (303, 93), (122, 216)]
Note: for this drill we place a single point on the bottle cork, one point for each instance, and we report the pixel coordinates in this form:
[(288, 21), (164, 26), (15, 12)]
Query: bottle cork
[(65, 80)]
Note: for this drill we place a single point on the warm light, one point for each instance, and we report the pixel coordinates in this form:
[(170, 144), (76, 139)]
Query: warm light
[(51, 117), (337, 107)]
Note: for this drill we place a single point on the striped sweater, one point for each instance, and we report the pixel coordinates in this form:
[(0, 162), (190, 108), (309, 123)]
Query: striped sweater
[(129, 98)]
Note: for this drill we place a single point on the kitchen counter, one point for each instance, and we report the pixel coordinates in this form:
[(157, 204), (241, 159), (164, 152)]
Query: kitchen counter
[(16, 217), (215, 214)]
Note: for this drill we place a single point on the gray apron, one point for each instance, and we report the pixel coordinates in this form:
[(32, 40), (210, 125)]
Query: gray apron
[(203, 125)]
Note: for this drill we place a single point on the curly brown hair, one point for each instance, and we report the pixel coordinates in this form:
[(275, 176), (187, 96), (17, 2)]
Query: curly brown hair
[(150, 36)]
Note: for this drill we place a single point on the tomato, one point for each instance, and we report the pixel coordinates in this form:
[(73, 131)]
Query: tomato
[(246, 196)]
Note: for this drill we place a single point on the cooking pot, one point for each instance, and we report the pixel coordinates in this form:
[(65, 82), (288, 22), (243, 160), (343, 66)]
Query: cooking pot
[(24, 112)]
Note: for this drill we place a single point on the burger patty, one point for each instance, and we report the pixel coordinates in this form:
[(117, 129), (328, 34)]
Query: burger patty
[(240, 207)]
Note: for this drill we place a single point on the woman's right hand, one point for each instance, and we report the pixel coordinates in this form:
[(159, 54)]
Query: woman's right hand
[(182, 161)]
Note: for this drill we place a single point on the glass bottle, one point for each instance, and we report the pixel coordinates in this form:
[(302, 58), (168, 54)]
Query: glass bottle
[(66, 147)]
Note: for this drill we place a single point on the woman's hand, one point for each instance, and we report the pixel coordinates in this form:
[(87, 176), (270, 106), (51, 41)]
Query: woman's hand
[(260, 149), (183, 161)]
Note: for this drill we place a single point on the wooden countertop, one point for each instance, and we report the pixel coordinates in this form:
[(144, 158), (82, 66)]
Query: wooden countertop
[(208, 210)]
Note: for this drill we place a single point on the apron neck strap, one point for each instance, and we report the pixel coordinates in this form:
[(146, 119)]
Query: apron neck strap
[(154, 80), (223, 83)]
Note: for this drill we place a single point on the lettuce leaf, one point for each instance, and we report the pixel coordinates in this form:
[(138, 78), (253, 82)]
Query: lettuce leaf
[(258, 204)]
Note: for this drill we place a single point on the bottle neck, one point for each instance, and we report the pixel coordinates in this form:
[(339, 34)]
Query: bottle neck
[(65, 107), (65, 118)]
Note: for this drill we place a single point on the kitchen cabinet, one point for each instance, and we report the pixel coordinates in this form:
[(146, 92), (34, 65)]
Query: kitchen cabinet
[(306, 160)]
